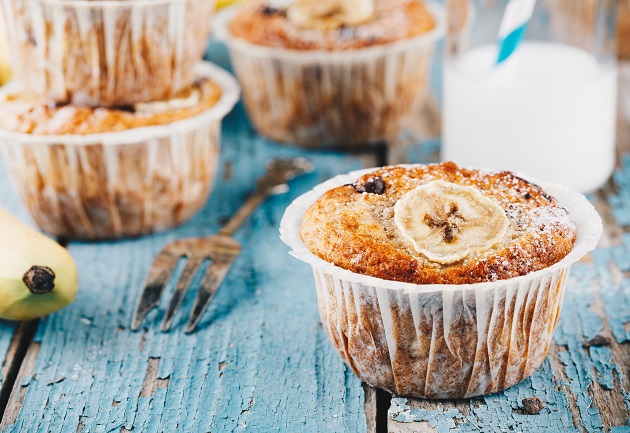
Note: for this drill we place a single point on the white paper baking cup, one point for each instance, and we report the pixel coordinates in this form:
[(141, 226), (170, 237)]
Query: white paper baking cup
[(319, 98), (106, 53), (118, 184), (441, 341)]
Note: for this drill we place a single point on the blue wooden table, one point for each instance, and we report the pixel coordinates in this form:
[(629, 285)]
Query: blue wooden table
[(260, 361)]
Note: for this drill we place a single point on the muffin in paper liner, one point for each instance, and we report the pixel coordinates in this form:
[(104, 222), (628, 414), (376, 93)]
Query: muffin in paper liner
[(441, 341), (118, 184), (623, 28), (317, 98), (106, 53), (574, 21)]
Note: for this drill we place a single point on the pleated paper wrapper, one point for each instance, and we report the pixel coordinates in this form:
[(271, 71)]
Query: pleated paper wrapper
[(332, 98), (441, 341), (106, 53), (118, 184)]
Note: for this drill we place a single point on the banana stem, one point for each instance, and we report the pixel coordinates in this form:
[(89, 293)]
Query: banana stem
[(39, 280)]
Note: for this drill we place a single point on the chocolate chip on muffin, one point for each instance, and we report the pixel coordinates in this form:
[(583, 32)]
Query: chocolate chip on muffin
[(373, 186)]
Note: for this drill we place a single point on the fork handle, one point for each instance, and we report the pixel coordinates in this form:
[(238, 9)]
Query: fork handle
[(250, 205)]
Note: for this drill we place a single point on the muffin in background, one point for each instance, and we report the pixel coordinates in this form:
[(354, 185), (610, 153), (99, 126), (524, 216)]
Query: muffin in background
[(107, 53), (573, 20), (331, 73), (440, 281), (102, 173), (623, 29)]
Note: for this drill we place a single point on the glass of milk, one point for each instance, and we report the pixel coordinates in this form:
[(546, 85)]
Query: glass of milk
[(549, 111)]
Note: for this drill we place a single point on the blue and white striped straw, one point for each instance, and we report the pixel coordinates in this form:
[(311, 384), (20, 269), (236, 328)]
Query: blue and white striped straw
[(515, 19)]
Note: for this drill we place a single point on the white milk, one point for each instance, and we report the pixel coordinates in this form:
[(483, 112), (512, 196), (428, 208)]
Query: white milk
[(549, 112)]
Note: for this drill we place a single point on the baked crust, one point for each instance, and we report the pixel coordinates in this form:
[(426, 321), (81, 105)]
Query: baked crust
[(355, 230), (623, 28), (263, 25), (23, 112)]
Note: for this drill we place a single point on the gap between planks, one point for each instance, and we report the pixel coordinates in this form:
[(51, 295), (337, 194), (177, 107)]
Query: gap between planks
[(20, 363), (376, 408)]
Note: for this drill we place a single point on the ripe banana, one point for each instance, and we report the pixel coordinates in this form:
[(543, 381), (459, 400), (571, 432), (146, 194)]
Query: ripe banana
[(447, 222), (37, 275), (224, 3), (188, 98), (330, 14)]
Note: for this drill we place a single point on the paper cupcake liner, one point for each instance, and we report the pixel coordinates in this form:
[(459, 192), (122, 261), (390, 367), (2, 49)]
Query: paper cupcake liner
[(623, 28), (331, 99), (574, 22), (106, 53), (118, 184), (441, 341)]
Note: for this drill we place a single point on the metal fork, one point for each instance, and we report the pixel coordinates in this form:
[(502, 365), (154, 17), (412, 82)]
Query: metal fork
[(221, 249)]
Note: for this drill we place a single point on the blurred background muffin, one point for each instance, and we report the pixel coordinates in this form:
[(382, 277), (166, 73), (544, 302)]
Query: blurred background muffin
[(103, 173), (623, 28), (572, 22), (331, 73), (107, 53)]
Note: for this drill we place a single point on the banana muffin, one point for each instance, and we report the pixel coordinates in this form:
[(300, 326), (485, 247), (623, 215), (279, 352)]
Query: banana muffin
[(331, 73), (574, 21), (439, 224), (440, 281), (21, 111), (96, 173), (106, 53), (331, 24)]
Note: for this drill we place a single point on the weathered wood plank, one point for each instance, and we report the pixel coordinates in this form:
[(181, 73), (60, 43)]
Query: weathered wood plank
[(259, 362), (10, 351), (370, 407)]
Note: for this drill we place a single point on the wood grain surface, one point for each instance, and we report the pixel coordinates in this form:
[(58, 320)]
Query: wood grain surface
[(261, 361)]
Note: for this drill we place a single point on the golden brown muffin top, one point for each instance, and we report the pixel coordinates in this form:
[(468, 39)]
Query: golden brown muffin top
[(23, 112), (394, 20), (353, 226)]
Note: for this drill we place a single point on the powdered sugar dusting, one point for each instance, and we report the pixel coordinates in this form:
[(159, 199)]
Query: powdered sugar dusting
[(394, 20), (540, 234)]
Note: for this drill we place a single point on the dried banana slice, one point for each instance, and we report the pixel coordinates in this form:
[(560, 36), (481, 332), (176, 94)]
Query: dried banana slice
[(447, 222), (330, 14), (189, 98)]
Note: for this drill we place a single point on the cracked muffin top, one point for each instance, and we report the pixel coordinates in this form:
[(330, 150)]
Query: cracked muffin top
[(330, 24), (21, 111), (439, 224)]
